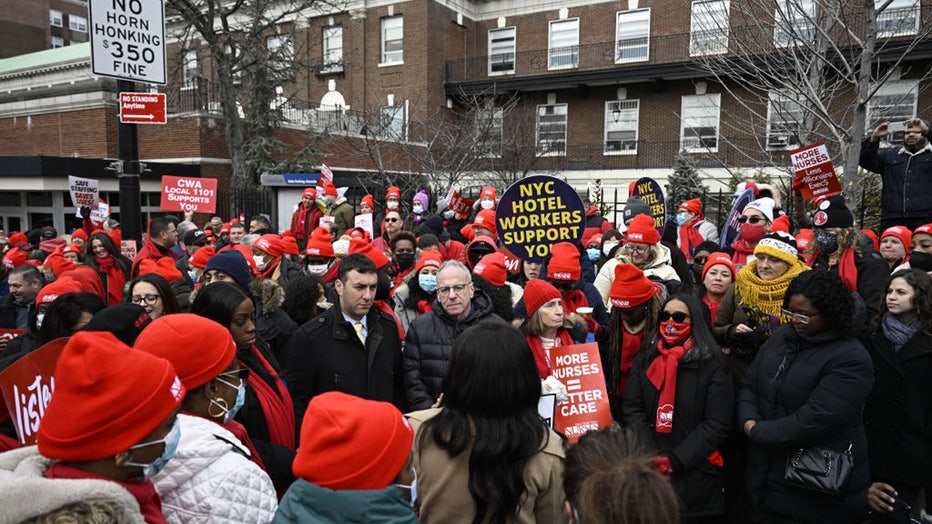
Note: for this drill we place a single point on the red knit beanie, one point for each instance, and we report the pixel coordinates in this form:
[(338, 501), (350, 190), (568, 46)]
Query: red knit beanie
[(173, 337), (108, 397), (290, 245), (365, 248), (330, 189), (488, 191), (781, 223), (358, 232), (803, 238), (15, 257), (393, 192), (537, 293), (693, 206), (716, 259), (164, 267), (117, 236), (367, 201), (201, 256), (53, 290), (642, 230), (486, 219), (564, 262), (925, 229), (58, 263), (492, 268), (318, 244), (18, 238), (428, 259), (247, 254), (225, 228), (309, 192), (79, 233), (873, 236), (270, 244), (349, 443), (903, 234), (630, 287)]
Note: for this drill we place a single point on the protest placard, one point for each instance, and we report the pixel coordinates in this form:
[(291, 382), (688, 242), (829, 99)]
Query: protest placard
[(458, 203), (648, 190), (364, 221), (537, 212), (814, 169), (579, 368), (731, 228), (27, 387), (128, 249), (83, 191), (8, 334), (189, 194)]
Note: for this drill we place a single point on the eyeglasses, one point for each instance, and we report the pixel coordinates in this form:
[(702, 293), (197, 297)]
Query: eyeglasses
[(148, 299), (753, 220), (240, 373), (700, 260), (637, 249), (677, 316), (798, 317), (393, 220), (459, 288)]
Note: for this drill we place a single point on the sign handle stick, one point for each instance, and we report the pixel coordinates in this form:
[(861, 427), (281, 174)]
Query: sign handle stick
[(130, 203)]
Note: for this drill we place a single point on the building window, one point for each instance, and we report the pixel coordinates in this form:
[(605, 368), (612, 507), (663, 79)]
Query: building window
[(489, 131), (281, 54), (57, 42), (55, 18), (793, 23), (502, 50), (189, 71), (784, 121), (899, 18), (632, 36), (391, 122), (708, 28), (333, 48), (551, 130), (621, 127), (699, 123), (392, 39), (235, 56), (77, 23), (564, 44), (893, 102)]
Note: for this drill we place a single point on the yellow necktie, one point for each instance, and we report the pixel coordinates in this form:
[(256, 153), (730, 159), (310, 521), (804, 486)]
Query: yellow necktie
[(358, 327)]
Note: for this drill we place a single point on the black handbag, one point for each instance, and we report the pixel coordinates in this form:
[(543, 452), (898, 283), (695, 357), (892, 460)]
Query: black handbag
[(818, 469)]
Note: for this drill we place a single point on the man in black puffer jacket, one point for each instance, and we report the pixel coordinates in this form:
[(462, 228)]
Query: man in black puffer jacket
[(430, 336)]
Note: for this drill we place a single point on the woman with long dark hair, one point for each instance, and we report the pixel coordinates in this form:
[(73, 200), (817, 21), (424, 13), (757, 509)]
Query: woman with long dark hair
[(485, 455), (154, 293), (679, 399), (268, 413), (105, 258)]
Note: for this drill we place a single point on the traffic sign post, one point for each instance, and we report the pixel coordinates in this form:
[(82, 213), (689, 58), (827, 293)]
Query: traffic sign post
[(142, 108), (128, 39)]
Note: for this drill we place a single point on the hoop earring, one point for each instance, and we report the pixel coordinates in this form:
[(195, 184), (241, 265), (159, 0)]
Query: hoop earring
[(219, 402)]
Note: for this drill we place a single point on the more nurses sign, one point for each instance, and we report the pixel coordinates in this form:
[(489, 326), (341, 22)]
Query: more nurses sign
[(128, 39), (198, 195), (537, 212), (586, 408), (814, 169)]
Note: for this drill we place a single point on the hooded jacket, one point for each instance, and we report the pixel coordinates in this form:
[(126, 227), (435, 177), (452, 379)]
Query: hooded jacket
[(307, 503), (273, 325), (343, 215)]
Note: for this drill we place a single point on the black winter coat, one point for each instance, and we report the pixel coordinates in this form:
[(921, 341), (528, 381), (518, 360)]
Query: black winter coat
[(427, 349), (873, 274), (806, 392), (907, 181), (898, 417), (703, 411), (8, 312)]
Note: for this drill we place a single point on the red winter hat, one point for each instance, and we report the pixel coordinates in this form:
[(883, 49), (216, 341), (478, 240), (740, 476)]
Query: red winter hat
[(781, 223), (630, 287), (365, 248), (564, 262), (79, 233), (393, 192), (290, 245), (88, 279), (172, 337), (873, 236), (720, 258), (15, 257), (485, 219), (55, 289), (201, 256), (488, 191), (18, 238), (693, 206), (225, 228), (164, 267), (924, 229), (642, 230), (903, 234), (803, 238), (492, 268), (270, 244), (537, 293), (247, 254), (350, 443), (57, 263), (71, 248), (428, 259), (318, 244), (116, 236), (330, 189), (108, 397), (358, 232), (310, 192), (367, 201)]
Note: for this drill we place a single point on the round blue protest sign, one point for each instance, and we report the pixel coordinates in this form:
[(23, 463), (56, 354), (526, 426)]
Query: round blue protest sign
[(537, 212), (648, 190)]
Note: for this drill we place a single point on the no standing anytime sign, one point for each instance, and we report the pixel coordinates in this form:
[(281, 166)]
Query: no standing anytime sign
[(128, 39)]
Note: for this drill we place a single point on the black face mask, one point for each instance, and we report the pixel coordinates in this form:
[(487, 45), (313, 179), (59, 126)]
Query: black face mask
[(404, 260), (827, 242), (921, 261)]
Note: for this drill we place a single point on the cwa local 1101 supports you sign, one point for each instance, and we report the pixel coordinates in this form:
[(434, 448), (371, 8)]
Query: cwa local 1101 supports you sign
[(198, 195)]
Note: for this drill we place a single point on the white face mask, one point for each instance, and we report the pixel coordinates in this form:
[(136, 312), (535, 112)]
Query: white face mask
[(607, 247), (39, 318), (317, 269), (417, 209), (487, 204), (260, 262), (391, 204)]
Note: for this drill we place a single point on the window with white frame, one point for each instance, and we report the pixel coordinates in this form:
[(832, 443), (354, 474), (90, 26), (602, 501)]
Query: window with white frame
[(502, 50), (708, 27), (489, 131), (621, 127), (392, 40), (189, 70), (235, 54), (333, 48), (894, 102), (551, 129), (632, 36), (77, 23), (699, 121), (793, 22), (563, 49), (899, 18), (784, 121), (55, 18), (280, 50), (57, 42), (391, 122)]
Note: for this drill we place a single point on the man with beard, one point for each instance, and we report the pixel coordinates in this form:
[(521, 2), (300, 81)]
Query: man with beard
[(906, 173)]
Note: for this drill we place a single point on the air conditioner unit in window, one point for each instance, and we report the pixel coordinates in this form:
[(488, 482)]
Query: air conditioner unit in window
[(779, 140)]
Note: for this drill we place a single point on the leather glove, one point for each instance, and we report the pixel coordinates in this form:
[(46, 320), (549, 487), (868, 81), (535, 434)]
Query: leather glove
[(752, 339), (85, 212)]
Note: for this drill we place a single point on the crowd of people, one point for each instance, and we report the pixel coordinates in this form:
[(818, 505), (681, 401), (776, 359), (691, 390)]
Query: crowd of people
[(232, 372)]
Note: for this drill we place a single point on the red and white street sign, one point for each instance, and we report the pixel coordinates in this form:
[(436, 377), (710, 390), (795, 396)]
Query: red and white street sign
[(142, 108)]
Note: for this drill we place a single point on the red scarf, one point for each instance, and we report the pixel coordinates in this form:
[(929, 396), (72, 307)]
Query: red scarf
[(277, 408), (115, 279), (270, 269), (740, 258), (690, 237), (848, 270), (713, 306), (573, 300), (385, 308), (424, 305), (540, 354), (105, 264), (662, 374), (150, 505), (630, 343)]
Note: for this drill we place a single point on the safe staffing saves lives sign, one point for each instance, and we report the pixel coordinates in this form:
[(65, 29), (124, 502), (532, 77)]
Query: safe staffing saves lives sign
[(198, 195)]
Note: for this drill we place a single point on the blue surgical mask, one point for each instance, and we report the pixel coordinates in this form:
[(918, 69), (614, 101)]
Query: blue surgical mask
[(593, 253), (427, 282), (449, 214), (229, 413), (417, 209), (39, 318), (412, 488), (171, 445), (680, 219)]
